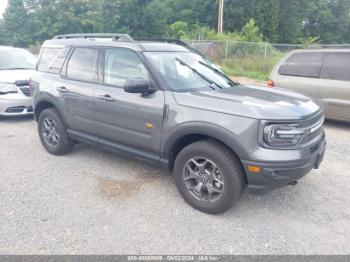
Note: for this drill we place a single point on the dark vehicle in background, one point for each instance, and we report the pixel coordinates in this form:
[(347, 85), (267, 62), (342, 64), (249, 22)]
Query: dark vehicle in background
[(16, 67), (319, 73), (165, 104)]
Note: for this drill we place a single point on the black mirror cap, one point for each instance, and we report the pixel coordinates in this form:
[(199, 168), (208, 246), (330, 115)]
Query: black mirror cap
[(138, 85)]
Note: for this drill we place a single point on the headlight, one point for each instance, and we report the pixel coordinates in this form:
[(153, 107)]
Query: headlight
[(279, 135), (7, 88)]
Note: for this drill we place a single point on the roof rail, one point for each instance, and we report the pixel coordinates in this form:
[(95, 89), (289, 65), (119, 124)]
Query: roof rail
[(173, 41), (115, 37), (164, 40)]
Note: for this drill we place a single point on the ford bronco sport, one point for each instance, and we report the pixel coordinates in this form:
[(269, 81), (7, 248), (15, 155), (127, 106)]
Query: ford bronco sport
[(166, 104)]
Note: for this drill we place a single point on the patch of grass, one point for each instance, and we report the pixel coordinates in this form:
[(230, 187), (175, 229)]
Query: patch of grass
[(236, 71), (256, 67)]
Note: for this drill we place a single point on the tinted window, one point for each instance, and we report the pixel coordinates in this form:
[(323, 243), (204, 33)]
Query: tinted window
[(52, 59), (82, 65), (121, 65), (302, 64), (336, 66)]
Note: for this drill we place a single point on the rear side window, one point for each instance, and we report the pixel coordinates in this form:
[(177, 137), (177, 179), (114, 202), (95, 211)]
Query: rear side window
[(52, 59), (336, 66), (302, 64), (82, 65)]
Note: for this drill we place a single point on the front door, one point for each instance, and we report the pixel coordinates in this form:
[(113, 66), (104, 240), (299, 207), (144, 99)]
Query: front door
[(125, 120)]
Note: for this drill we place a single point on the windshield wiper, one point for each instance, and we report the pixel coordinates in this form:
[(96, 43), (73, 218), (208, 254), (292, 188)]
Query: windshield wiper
[(203, 77), (220, 73)]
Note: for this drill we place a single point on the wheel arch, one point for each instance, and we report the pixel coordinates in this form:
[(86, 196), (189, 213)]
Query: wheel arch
[(189, 133), (46, 101)]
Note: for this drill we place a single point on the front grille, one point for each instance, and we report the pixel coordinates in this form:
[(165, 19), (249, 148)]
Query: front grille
[(26, 90), (311, 123), (19, 109), (16, 109)]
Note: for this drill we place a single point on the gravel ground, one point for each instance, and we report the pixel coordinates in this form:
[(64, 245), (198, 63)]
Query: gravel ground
[(96, 202)]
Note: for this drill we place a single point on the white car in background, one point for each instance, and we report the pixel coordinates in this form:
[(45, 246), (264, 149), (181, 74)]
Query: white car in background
[(16, 67)]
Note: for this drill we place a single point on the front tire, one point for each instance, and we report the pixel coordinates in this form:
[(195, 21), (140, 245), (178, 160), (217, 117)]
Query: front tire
[(209, 176), (53, 134)]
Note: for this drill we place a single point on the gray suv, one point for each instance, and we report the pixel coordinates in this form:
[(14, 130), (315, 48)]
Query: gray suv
[(165, 104)]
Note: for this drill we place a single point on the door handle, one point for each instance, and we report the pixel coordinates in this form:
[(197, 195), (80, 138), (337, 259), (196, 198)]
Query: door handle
[(62, 89), (107, 98)]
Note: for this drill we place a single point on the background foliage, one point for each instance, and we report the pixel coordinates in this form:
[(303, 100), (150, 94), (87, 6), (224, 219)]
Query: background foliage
[(29, 22)]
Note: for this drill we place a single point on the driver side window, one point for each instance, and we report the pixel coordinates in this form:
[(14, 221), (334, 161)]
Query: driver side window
[(120, 65)]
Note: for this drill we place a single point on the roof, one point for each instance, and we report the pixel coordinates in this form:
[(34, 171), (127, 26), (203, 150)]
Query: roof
[(6, 47), (113, 40), (323, 50), (9, 48)]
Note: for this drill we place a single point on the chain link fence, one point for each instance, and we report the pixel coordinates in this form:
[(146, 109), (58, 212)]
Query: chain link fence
[(253, 60)]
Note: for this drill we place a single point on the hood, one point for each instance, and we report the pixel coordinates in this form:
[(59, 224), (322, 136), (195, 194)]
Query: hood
[(253, 102), (11, 76)]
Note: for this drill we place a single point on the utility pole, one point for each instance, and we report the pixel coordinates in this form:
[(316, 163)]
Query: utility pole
[(221, 17)]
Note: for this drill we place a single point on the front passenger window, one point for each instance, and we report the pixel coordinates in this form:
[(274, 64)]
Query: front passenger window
[(120, 65)]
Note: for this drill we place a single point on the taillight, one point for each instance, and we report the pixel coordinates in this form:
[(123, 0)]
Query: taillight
[(270, 83)]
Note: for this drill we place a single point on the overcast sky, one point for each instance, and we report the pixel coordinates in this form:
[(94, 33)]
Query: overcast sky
[(3, 4)]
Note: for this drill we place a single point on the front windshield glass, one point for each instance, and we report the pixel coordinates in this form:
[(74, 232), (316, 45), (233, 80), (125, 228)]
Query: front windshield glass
[(185, 71), (13, 58)]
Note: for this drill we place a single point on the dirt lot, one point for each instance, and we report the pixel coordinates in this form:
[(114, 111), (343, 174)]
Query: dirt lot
[(246, 80), (96, 202)]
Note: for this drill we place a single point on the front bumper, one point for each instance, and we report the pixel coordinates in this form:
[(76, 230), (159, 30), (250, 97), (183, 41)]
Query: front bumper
[(15, 105), (279, 174)]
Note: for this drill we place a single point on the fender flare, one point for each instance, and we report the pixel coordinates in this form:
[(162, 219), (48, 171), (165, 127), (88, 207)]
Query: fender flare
[(48, 98), (207, 129)]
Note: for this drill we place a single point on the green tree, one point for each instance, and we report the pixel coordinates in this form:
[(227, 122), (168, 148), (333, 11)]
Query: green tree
[(251, 33), (108, 19), (266, 15), (328, 19), (29, 21), (54, 17), (291, 20), (178, 29), (17, 26)]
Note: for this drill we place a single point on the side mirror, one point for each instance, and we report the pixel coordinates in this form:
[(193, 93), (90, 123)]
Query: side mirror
[(138, 85)]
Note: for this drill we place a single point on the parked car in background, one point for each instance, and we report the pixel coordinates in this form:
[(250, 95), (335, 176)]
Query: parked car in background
[(320, 73), (16, 67), (165, 104)]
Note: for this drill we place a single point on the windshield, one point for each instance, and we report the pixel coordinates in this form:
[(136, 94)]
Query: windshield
[(186, 71), (13, 58)]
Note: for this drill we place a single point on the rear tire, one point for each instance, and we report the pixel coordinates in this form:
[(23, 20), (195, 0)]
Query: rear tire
[(53, 134), (209, 176)]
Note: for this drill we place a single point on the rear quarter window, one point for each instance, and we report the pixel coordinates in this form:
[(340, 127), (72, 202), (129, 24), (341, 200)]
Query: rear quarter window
[(336, 66), (52, 59), (303, 65)]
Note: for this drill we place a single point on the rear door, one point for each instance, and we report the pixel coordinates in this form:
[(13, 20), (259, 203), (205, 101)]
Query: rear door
[(76, 89), (334, 85), (300, 72), (125, 120)]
